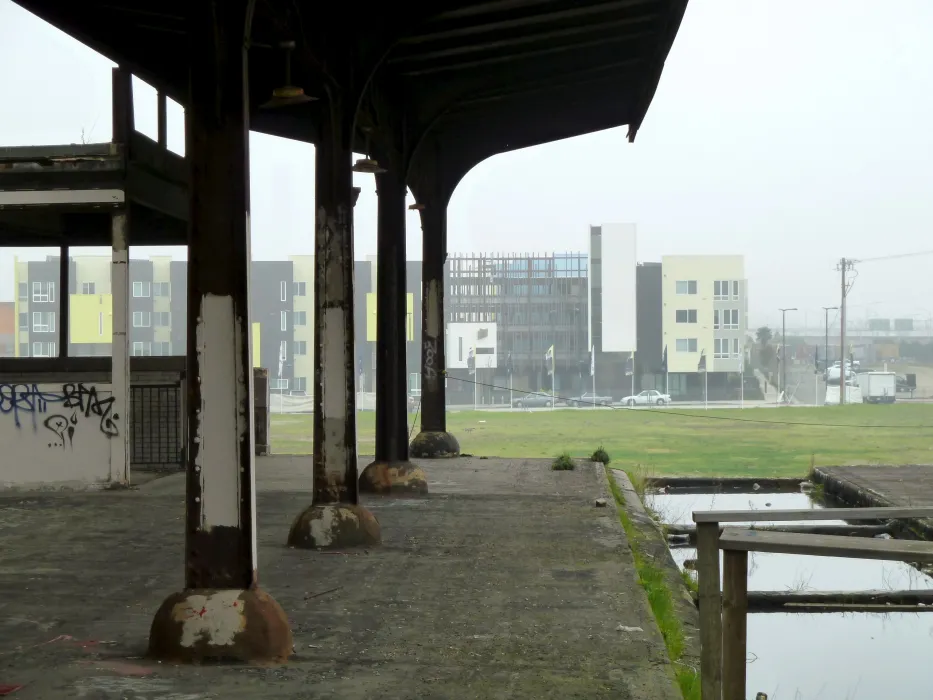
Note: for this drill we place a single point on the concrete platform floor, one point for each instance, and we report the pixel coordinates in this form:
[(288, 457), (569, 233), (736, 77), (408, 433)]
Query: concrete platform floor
[(506, 582)]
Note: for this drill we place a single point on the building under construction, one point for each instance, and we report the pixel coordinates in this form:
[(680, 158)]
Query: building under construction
[(533, 301)]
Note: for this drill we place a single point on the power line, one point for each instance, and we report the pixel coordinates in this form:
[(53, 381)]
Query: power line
[(698, 414), (895, 257)]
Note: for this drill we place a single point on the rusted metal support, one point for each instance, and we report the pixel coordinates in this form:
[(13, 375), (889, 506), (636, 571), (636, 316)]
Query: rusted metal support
[(391, 472), (433, 440), (64, 298), (335, 519), (124, 121), (221, 613)]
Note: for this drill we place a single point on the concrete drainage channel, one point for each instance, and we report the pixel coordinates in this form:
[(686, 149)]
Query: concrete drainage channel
[(868, 639)]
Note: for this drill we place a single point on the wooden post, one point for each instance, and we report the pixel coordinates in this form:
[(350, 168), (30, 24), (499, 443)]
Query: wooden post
[(710, 611), (734, 617)]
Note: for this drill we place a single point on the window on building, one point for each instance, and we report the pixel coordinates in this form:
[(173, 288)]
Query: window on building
[(24, 322), (299, 289), (43, 350), (300, 318), (686, 315), (735, 290), (716, 319), (278, 384), (300, 384), (301, 347), (142, 290), (161, 349), (88, 288), (141, 349), (686, 345), (283, 289), (284, 320), (686, 286), (23, 291), (100, 323), (43, 322), (736, 351), (161, 289), (43, 291), (162, 319), (730, 319), (24, 349), (721, 348), (283, 351), (142, 319)]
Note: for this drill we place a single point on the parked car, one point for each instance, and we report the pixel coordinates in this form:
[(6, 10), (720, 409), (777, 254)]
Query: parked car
[(590, 399), (647, 398), (534, 401)]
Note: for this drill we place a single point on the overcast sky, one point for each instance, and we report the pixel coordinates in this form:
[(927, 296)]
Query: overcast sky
[(790, 131)]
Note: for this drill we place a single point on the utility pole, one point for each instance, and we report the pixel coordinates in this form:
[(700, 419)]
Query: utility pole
[(844, 266), (826, 310), (784, 350)]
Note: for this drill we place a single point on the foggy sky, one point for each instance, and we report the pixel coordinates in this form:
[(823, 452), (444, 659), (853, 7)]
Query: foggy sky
[(791, 132)]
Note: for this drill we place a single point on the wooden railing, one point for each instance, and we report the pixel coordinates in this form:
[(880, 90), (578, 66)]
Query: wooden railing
[(723, 614)]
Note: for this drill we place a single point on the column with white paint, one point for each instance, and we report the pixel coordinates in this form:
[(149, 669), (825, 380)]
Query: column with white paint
[(120, 349), (335, 519), (221, 582)]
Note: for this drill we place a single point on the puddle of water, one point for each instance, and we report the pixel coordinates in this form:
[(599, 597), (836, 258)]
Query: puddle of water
[(855, 656)]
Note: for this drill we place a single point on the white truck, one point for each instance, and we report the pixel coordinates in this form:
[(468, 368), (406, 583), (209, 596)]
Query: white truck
[(878, 387)]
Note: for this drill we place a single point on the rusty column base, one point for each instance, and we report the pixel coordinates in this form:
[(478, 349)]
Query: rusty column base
[(335, 526), (394, 479), (430, 444), (198, 625)]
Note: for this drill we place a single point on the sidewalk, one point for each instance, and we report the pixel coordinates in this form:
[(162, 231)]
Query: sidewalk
[(507, 581)]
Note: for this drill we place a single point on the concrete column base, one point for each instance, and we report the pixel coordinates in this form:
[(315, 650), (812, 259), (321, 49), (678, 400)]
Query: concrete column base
[(335, 526), (394, 479), (430, 444), (198, 625)]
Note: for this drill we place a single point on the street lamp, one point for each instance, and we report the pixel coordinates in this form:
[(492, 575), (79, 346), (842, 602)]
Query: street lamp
[(784, 349), (826, 310)]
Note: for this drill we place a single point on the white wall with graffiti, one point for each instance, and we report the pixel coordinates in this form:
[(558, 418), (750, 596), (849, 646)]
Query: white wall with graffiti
[(57, 435)]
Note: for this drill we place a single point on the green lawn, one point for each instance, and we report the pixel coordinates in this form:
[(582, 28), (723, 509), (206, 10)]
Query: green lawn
[(725, 442)]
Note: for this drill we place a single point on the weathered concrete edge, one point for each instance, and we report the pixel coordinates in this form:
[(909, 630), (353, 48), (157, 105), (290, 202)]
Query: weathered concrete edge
[(846, 491), (627, 551), (788, 484), (661, 555)]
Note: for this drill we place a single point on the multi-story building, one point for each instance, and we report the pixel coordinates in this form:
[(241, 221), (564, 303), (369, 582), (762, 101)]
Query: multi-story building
[(535, 301), (705, 314), (7, 329), (604, 299)]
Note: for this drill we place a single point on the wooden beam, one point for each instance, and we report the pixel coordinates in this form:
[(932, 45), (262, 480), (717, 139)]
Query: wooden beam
[(845, 530), (838, 601), (710, 612), (757, 516), (734, 623), (735, 539)]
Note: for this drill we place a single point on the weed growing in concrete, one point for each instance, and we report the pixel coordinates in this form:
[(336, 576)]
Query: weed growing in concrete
[(600, 455), (652, 580), (563, 463)]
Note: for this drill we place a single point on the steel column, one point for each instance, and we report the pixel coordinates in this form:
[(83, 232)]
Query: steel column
[(433, 440), (335, 518), (120, 348), (221, 613), (391, 472)]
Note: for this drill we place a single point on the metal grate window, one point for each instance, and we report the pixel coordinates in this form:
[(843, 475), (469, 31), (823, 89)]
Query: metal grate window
[(155, 436)]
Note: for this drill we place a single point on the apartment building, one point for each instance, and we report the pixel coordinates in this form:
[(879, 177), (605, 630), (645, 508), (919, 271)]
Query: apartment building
[(7, 329), (705, 314)]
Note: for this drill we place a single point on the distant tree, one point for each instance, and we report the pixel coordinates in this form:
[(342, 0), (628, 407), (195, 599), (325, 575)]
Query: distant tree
[(763, 335)]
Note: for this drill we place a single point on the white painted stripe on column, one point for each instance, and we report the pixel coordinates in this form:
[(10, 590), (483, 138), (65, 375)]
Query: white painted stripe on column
[(38, 197), (218, 432)]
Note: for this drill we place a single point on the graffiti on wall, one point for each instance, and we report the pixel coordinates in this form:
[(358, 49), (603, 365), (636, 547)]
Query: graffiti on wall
[(61, 413)]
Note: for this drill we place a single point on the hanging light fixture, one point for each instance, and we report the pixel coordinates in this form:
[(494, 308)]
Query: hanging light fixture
[(367, 164), (288, 95)]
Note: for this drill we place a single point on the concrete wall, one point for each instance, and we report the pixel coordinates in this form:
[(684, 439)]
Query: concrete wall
[(57, 434)]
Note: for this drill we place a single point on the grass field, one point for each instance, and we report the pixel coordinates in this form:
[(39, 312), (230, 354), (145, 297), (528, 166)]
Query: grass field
[(725, 442)]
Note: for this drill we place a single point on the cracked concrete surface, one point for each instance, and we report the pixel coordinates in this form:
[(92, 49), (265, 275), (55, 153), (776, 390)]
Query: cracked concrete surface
[(505, 582)]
